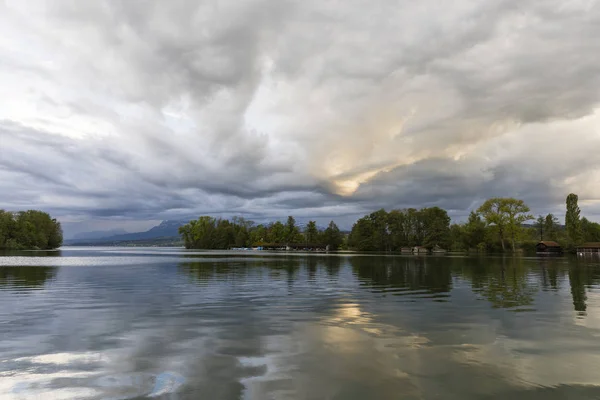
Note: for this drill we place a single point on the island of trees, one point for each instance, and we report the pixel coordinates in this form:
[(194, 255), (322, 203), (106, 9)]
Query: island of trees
[(498, 225), (211, 233), (29, 230)]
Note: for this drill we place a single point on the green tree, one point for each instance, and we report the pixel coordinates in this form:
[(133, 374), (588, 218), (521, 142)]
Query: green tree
[(590, 230), (539, 225), (292, 233), (550, 227), (572, 221), (277, 233), (186, 234), (332, 236), (259, 235), (224, 235), (55, 235), (492, 212), (361, 235), (507, 215), (475, 232), (379, 221), (518, 214), (398, 229), (30, 229), (436, 227), (458, 237), (311, 233)]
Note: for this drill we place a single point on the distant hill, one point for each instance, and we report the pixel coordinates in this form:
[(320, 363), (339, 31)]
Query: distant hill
[(164, 234), (166, 231), (98, 234)]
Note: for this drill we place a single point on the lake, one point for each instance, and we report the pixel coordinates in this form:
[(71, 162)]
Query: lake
[(136, 323)]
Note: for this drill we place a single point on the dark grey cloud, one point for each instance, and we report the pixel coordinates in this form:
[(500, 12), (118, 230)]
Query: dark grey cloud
[(144, 110)]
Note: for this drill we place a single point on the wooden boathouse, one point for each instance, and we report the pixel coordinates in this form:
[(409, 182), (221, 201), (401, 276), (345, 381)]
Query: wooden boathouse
[(589, 248), (547, 247)]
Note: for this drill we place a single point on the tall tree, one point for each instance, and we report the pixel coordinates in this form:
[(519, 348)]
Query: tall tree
[(507, 215), (292, 232), (492, 212), (572, 221), (361, 236), (551, 227), (332, 236), (436, 227), (539, 224), (399, 230), (379, 220), (277, 233), (259, 235), (311, 233), (518, 213), (474, 231)]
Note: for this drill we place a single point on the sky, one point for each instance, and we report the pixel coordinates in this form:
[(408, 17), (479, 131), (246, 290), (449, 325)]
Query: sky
[(120, 114)]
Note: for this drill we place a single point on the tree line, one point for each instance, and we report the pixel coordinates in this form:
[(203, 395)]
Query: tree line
[(497, 225), (30, 229), (211, 233), (391, 231), (500, 224)]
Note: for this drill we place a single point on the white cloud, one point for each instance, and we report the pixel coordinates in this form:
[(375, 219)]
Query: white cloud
[(150, 110)]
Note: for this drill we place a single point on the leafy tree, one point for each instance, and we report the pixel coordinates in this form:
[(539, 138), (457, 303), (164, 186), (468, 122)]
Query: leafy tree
[(492, 212), (259, 235), (30, 229), (539, 225), (518, 213), (292, 233), (572, 221), (55, 235), (398, 229), (361, 236), (551, 227), (475, 231), (332, 236), (436, 227), (186, 234), (379, 221), (311, 233), (458, 239), (277, 233), (507, 215), (382, 231), (590, 230)]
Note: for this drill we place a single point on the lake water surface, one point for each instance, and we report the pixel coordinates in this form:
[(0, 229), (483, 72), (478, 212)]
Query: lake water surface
[(133, 323)]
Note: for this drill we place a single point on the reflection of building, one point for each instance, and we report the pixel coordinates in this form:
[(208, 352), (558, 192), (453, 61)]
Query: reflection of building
[(548, 247), (589, 248)]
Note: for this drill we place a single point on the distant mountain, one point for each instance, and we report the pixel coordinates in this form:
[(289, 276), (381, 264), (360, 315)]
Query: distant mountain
[(98, 234), (165, 230)]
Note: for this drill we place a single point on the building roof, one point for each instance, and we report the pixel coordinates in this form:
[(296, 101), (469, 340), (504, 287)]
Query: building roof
[(592, 245), (549, 243)]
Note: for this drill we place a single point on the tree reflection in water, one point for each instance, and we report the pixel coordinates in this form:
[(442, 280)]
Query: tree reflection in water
[(505, 282), (26, 277)]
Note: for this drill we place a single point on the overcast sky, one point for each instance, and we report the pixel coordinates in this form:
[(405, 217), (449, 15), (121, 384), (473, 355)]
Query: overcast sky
[(123, 113)]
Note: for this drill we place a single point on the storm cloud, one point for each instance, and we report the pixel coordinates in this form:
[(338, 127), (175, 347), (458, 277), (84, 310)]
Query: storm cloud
[(144, 110)]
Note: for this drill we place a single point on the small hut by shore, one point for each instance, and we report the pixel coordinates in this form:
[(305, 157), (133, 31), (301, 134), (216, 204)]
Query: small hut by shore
[(420, 250), (589, 248), (547, 247)]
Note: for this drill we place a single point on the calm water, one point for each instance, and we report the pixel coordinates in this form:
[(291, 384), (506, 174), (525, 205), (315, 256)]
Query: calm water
[(102, 323)]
